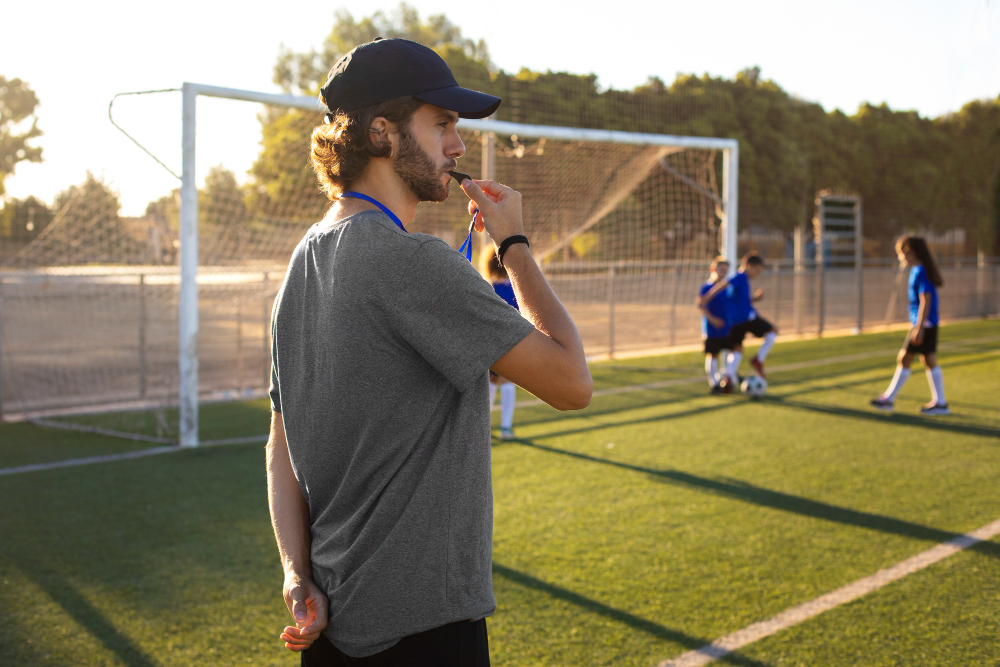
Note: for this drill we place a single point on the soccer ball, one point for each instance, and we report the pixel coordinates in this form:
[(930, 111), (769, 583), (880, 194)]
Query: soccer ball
[(754, 386)]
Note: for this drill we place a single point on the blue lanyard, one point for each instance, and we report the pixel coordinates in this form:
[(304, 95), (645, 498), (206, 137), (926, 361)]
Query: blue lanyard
[(466, 248), (372, 200)]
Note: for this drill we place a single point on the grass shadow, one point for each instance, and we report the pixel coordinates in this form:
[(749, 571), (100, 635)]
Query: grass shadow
[(744, 491), (82, 612), (632, 422), (631, 620), (932, 423)]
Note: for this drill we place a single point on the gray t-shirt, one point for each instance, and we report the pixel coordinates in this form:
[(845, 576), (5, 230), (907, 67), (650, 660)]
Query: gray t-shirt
[(381, 343)]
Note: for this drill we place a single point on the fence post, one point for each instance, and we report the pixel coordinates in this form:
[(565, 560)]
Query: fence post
[(981, 283), (239, 342), (777, 293), (142, 337), (820, 293), (673, 306), (266, 337), (611, 311), (797, 268)]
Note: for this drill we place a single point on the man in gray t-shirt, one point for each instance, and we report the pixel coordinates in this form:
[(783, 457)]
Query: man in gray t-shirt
[(379, 475)]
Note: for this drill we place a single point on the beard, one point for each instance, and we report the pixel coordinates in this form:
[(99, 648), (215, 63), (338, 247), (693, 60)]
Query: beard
[(417, 169)]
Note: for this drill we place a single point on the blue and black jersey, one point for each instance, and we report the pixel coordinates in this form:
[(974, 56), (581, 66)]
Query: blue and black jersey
[(718, 306), (920, 283)]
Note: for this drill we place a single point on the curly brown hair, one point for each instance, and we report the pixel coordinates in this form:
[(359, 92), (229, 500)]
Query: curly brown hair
[(342, 148)]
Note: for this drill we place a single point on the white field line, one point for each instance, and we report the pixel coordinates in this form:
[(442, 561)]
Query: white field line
[(34, 467), (795, 615), (521, 404)]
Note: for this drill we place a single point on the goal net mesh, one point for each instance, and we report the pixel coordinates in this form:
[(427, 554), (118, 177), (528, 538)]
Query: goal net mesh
[(90, 307)]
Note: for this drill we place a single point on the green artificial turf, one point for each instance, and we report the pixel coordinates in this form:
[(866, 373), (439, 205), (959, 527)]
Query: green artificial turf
[(644, 526)]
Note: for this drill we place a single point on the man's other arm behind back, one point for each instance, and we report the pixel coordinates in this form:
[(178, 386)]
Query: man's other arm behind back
[(549, 362)]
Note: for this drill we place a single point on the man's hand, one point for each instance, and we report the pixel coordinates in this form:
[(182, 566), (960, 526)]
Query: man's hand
[(716, 322), (759, 294), (307, 604), (917, 336), (499, 208)]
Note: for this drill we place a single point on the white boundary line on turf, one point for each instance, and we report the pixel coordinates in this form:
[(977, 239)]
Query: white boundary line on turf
[(139, 453), (676, 382), (852, 591)]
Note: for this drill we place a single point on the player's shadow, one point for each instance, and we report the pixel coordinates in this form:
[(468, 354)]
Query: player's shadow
[(613, 614), (63, 593), (932, 423), (786, 502), (724, 403), (784, 382), (613, 404)]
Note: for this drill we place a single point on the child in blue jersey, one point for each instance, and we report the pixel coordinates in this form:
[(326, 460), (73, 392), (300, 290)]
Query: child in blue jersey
[(497, 276), (715, 325), (743, 318), (921, 339)]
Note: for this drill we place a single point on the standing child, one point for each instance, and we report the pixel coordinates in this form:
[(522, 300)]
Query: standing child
[(744, 318), (715, 325), (497, 276), (922, 337)]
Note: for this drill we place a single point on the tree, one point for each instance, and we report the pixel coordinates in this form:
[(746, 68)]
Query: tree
[(306, 72), (17, 105)]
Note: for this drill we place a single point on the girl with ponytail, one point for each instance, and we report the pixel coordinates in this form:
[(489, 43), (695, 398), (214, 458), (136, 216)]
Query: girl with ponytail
[(921, 339)]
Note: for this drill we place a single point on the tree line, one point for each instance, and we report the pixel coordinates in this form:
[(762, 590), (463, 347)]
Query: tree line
[(911, 172)]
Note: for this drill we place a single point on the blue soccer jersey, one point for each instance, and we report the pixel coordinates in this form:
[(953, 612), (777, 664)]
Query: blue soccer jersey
[(741, 303), (920, 283), (718, 306), (505, 291)]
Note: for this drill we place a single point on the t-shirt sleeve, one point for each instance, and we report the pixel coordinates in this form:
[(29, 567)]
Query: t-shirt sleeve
[(450, 315)]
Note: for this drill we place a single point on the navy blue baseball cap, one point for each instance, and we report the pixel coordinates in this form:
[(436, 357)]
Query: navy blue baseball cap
[(385, 69)]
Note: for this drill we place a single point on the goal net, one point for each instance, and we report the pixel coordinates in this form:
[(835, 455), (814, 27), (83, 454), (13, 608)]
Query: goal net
[(148, 317)]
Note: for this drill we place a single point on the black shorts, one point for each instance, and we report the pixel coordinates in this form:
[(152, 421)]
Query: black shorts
[(716, 345), (758, 326), (928, 346), (460, 644)]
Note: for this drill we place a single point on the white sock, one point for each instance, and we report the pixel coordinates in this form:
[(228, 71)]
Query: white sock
[(734, 364), (766, 346), (507, 393), (898, 380), (712, 370), (493, 393), (935, 378)]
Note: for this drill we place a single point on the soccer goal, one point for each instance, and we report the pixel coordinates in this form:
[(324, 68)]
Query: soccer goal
[(167, 312)]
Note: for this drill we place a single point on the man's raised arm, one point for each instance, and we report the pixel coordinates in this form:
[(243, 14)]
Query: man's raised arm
[(549, 362)]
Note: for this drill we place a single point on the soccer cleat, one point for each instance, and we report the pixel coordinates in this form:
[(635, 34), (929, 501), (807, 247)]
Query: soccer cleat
[(717, 389), (883, 404), (936, 409), (726, 386), (506, 434), (758, 366)]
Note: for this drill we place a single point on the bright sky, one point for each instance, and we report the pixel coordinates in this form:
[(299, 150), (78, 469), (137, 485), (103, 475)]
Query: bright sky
[(926, 55)]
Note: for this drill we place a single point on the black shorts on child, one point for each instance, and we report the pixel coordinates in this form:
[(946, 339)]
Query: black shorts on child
[(927, 346), (758, 326), (716, 345)]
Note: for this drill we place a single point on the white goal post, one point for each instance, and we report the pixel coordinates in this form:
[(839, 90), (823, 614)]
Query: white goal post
[(727, 206)]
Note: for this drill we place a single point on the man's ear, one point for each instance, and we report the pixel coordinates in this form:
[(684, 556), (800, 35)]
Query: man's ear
[(383, 132)]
